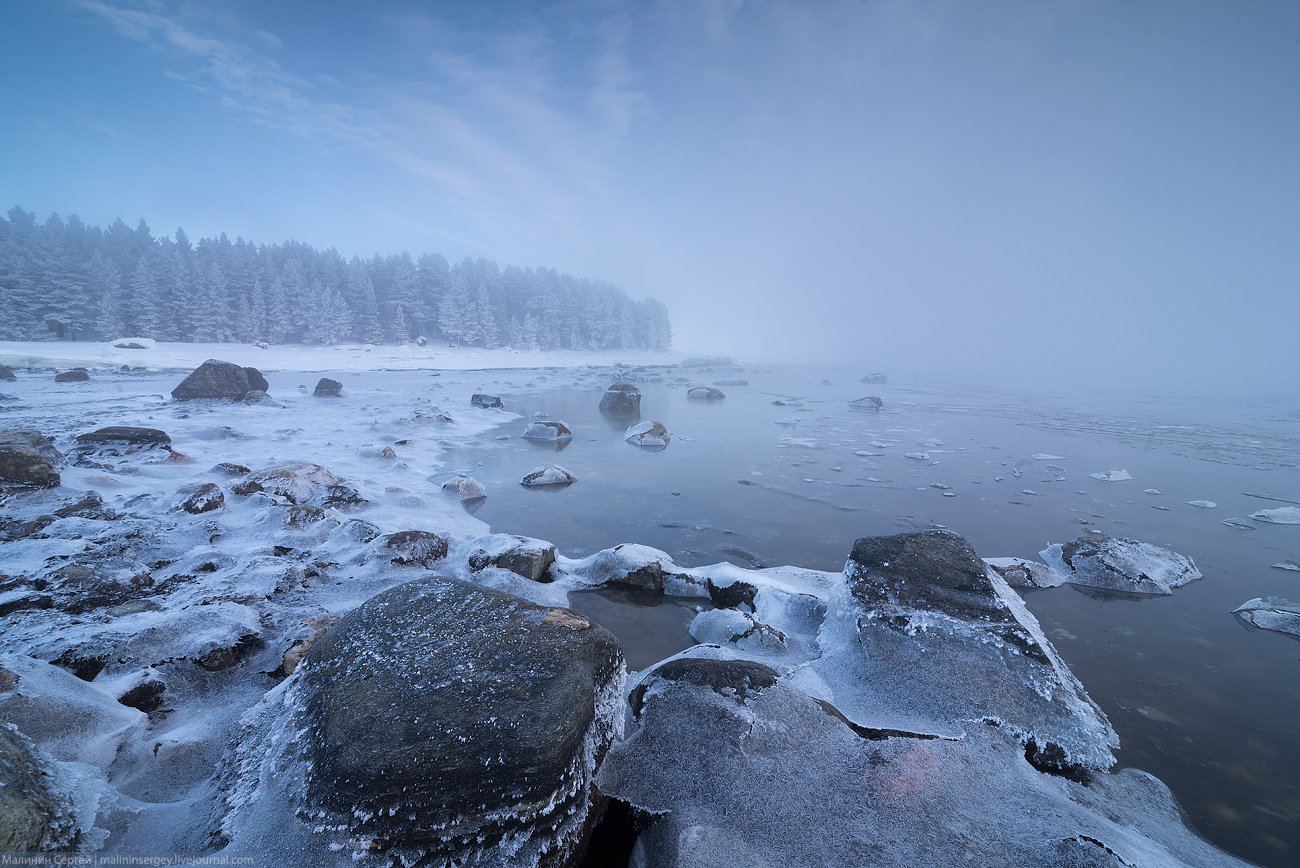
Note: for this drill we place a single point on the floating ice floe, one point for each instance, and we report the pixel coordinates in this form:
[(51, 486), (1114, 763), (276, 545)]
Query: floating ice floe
[(1112, 476), (1203, 504), (919, 456), (929, 442), (1151, 491), (1240, 522), (1100, 561), (1286, 565), (1271, 613), (879, 445), (1043, 456), (1281, 515)]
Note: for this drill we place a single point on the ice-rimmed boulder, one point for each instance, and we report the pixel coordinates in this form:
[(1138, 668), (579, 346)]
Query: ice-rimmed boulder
[(729, 763), (76, 375), (552, 475), (1271, 613), (487, 402), (464, 487), (1109, 563), (28, 458), (7, 373), (438, 722), (924, 637), (648, 434), (521, 555), (548, 430), (416, 548), (705, 393), (621, 399), (300, 482)]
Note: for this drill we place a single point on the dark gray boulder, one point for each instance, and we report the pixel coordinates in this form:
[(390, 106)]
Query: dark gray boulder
[(927, 570), (201, 498), (76, 375), (125, 435), (521, 555), (215, 379), (445, 719), (7, 373), (256, 382), (28, 458), (32, 817), (621, 399), (327, 388), (487, 402), (419, 548), (121, 442)]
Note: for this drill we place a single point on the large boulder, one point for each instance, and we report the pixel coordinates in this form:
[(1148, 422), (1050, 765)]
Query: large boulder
[(446, 721), (76, 375), (621, 399), (28, 458), (327, 388), (548, 431), (217, 379), (521, 555), (419, 548), (32, 817), (256, 382), (121, 442), (867, 402)]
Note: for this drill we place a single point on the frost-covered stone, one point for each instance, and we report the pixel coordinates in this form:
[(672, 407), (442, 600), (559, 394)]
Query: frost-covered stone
[(634, 567), (7, 373), (545, 475), (729, 626), (925, 638), (729, 764), (511, 703), (869, 402), (548, 430), (327, 388), (76, 375), (416, 548), (33, 817), (202, 497), (1271, 613), (487, 402), (119, 443), (521, 555), (300, 482), (1115, 564), (705, 393), (1021, 573), (28, 458), (621, 399), (649, 434), (1281, 515), (217, 379), (464, 487)]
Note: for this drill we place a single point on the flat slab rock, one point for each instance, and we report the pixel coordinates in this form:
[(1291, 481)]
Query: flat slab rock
[(510, 702), (1097, 560)]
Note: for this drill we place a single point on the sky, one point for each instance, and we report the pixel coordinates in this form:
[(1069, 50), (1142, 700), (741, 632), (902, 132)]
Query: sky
[(1062, 193)]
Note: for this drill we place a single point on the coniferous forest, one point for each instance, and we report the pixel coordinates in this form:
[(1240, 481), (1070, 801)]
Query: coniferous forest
[(64, 280)]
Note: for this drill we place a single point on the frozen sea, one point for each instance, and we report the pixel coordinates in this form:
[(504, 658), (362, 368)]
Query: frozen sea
[(1208, 704)]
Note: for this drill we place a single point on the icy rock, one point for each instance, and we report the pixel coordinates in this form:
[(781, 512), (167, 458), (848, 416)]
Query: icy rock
[(704, 393), (635, 567), (76, 375), (621, 399), (134, 344), (1112, 475), (217, 379), (464, 487), (256, 382), (929, 442), (922, 609), (919, 456), (652, 435), (327, 388), (28, 458), (202, 497), (416, 548), (1116, 564), (1021, 573), (487, 402), (311, 631), (546, 475), (729, 626), (300, 482), (729, 764), (1271, 613), (33, 817), (874, 379), (521, 555), (511, 703), (1281, 515), (548, 430), (869, 402), (120, 442), (146, 696)]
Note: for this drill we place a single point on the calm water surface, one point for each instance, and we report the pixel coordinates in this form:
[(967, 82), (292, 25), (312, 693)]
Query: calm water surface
[(1205, 703)]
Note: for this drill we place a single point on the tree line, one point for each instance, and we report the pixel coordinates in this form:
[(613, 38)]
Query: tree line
[(64, 280)]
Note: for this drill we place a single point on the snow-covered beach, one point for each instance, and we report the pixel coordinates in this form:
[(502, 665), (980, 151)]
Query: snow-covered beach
[(156, 631)]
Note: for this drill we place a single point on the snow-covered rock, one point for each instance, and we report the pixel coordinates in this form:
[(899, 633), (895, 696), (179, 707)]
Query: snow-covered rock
[(868, 402), (1271, 613), (1203, 504), (650, 434), (28, 458), (1112, 475), (487, 402), (548, 430), (705, 393), (1115, 564), (1021, 573), (464, 488), (521, 555), (217, 379), (621, 399), (545, 475)]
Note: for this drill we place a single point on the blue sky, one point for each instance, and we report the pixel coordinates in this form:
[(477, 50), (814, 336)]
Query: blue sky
[(1084, 189)]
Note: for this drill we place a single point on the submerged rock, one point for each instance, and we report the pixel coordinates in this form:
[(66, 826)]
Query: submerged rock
[(704, 393), (648, 434), (327, 388), (1271, 613), (548, 430), (1112, 475), (76, 375), (464, 487), (622, 399), (511, 703), (548, 475), (869, 402), (1100, 561), (217, 379)]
